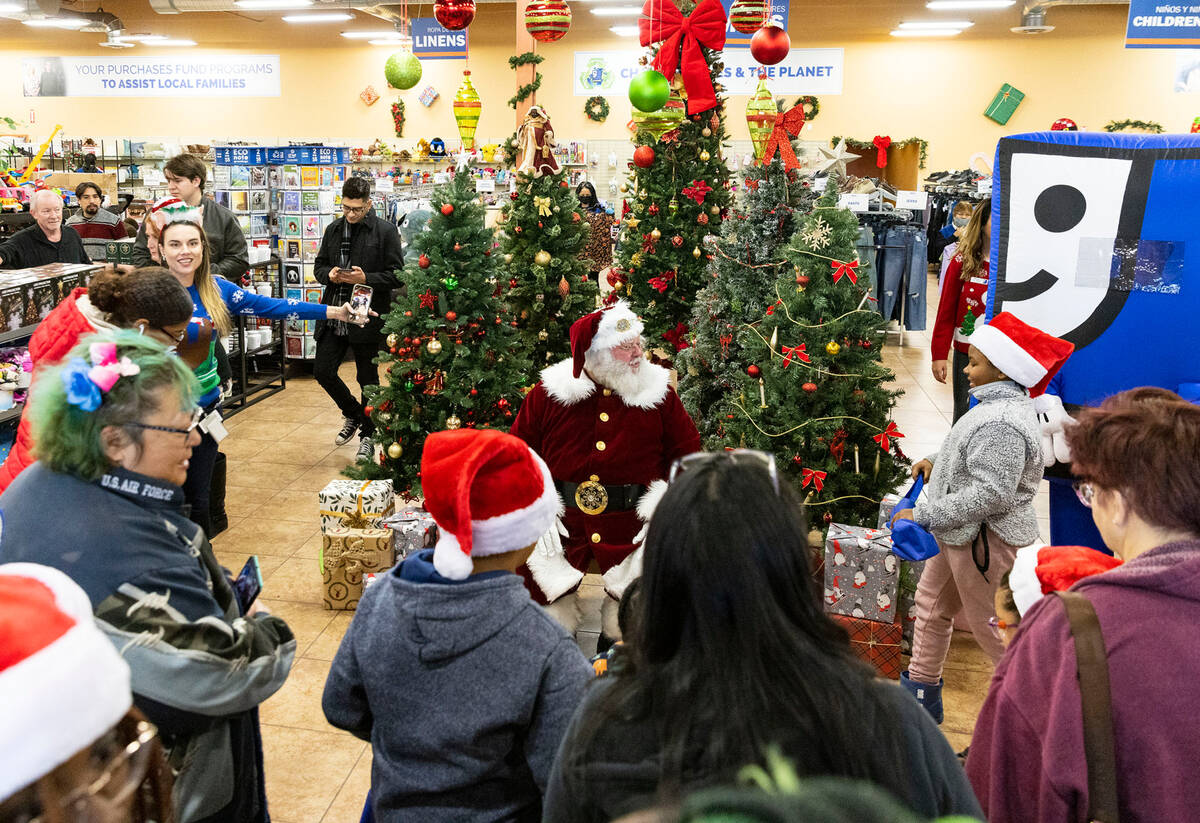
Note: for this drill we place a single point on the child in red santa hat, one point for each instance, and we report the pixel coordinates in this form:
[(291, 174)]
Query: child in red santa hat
[(980, 488)]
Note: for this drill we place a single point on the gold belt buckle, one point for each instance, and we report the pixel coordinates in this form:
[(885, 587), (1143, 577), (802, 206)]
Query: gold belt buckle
[(591, 497)]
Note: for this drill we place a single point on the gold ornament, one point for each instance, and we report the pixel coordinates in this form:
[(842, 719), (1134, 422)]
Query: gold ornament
[(434, 346), (655, 233), (395, 450), (508, 258), (704, 155), (392, 340), (714, 209), (706, 131), (543, 335), (542, 258), (452, 422), (641, 195), (696, 252), (832, 347), (624, 188)]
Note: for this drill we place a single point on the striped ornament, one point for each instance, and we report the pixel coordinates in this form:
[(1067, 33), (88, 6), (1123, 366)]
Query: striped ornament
[(760, 117), (547, 20), (748, 16), (658, 123), (466, 111)]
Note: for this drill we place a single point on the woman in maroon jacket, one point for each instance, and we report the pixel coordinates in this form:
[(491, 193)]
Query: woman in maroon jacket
[(1139, 457), (149, 299), (964, 291)]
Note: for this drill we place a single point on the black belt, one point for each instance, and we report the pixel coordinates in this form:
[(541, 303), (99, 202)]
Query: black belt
[(619, 498)]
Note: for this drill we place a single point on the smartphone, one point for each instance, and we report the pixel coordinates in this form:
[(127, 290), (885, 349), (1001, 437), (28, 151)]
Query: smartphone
[(360, 301), (249, 583)]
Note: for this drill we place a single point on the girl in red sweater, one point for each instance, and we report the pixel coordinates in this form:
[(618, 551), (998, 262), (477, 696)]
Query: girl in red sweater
[(964, 293)]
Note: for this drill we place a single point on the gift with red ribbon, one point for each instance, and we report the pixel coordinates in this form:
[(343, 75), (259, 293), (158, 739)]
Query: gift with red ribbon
[(881, 143), (841, 269), (890, 432), (787, 126), (682, 36), (816, 478)]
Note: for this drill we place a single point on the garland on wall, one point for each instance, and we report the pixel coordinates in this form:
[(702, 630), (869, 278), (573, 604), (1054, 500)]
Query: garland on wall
[(526, 91), (596, 108), (810, 105), (1141, 125), (398, 117), (866, 145)]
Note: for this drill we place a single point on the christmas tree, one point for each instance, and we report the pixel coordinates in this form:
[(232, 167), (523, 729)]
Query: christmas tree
[(677, 196), (810, 388), (453, 355), (749, 257), (545, 283)]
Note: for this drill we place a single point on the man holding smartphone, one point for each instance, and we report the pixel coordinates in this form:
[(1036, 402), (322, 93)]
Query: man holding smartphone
[(358, 248)]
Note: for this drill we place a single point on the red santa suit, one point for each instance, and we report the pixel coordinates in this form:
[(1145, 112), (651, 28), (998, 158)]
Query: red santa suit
[(604, 450)]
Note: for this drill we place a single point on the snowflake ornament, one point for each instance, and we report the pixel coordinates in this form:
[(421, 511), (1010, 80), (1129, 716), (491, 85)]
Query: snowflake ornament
[(818, 235)]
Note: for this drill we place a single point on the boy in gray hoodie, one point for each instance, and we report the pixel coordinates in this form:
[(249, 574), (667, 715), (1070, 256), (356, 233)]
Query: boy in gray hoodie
[(463, 686), (981, 485)]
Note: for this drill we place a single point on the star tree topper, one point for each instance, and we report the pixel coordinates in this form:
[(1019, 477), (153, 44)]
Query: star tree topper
[(836, 158)]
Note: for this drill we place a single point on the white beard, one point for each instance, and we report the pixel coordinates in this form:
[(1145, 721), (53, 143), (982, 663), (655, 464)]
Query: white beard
[(614, 374)]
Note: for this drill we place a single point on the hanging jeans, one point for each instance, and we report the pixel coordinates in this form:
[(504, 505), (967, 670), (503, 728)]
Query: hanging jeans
[(902, 269), (865, 246)]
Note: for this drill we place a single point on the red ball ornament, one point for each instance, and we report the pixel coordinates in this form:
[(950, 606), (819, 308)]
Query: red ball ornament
[(753, 370), (513, 195), (474, 392), (447, 209), (770, 45), (451, 316), (547, 20), (408, 314), (458, 247), (517, 229), (423, 261), (502, 403), (866, 344), (564, 184), (498, 321), (368, 410), (827, 518), (652, 208), (575, 218), (809, 387), (455, 15), (802, 280), (643, 157)]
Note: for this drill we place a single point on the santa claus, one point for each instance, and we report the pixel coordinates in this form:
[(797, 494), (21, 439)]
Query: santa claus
[(609, 426)]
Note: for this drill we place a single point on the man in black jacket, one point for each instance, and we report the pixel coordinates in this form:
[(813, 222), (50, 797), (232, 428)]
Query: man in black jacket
[(357, 248), (47, 240)]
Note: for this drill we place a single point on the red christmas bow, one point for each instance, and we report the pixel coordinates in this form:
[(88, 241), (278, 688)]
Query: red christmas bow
[(787, 126), (881, 142), (676, 335), (848, 269), (683, 37), (725, 339), (697, 191), (771, 308), (890, 431), (661, 283), (794, 353), (817, 478)]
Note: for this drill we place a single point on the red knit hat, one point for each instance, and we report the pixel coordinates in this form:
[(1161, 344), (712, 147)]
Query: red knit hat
[(489, 494), (1039, 570), (1027, 355), (602, 330)]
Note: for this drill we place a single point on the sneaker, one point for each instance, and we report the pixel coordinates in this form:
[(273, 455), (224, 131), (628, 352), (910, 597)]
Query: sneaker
[(349, 428), (366, 449)]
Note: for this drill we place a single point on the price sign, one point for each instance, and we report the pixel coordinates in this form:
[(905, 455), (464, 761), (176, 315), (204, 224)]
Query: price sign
[(485, 186), (914, 200), (854, 202), (385, 185)]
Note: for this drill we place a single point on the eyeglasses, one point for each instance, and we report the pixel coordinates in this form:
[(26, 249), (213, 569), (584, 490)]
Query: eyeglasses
[(178, 338), (122, 773), (691, 461), (197, 413), (1085, 491), (355, 209), (997, 626)]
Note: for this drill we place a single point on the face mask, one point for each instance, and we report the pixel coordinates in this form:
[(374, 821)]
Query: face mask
[(959, 222)]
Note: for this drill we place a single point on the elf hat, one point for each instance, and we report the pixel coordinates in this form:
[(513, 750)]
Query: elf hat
[(1040, 570), (1027, 355), (602, 330), (64, 684), (489, 494)]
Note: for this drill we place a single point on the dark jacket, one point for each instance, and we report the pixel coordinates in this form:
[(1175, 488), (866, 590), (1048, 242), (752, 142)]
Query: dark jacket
[(29, 247), (375, 248), (226, 243), (464, 690), (199, 669), (620, 774)]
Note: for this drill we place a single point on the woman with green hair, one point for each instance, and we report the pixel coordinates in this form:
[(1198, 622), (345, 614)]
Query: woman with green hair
[(114, 428)]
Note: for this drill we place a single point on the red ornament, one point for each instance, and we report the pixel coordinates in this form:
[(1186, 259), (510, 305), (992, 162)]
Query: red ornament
[(652, 208), (770, 45), (753, 370), (455, 15), (564, 184), (702, 219), (513, 195), (474, 392), (547, 20), (408, 314), (458, 247), (502, 403), (643, 157), (451, 316), (801, 280), (512, 283), (575, 218), (423, 261), (677, 241), (516, 229), (809, 387), (827, 518), (866, 344), (447, 209), (368, 410)]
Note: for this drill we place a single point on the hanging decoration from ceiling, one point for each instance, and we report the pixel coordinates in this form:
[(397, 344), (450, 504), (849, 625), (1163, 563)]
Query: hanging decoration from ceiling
[(760, 116), (770, 45), (547, 20), (467, 108), (649, 91), (681, 37), (748, 16), (455, 15), (402, 70)]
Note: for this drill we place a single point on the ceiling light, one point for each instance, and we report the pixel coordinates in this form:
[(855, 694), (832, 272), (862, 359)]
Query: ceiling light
[(624, 31), (959, 5), (617, 11), (143, 38), (169, 43), (369, 34), (56, 22), (399, 42), (937, 24), (331, 17), (11, 8), (272, 4), (926, 32)]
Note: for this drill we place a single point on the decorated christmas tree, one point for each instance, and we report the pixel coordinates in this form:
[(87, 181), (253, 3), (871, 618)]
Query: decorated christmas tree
[(452, 352), (678, 192), (810, 386), (544, 280)]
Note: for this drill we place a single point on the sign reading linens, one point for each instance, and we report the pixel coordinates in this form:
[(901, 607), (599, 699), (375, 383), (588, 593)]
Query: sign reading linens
[(242, 75)]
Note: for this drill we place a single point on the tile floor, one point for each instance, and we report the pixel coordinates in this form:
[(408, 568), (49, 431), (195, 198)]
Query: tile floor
[(281, 453)]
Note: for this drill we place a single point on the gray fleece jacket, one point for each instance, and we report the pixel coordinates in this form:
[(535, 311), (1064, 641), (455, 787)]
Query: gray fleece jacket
[(987, 470), (464, 689)]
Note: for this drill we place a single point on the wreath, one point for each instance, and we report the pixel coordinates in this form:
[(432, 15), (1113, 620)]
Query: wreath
[(1121, 125), (596, 109), (811, 106)]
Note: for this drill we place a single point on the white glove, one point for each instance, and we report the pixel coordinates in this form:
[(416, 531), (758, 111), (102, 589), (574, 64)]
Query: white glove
[(550, 543), (549, 567), (1054, 419)]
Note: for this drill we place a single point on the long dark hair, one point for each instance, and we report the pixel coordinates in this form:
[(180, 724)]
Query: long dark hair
[(735, 652)]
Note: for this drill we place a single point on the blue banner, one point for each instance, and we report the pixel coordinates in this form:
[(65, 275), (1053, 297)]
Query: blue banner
[(737, 40), (308, 155), (1158, 25), (240, 155), (432, 41)]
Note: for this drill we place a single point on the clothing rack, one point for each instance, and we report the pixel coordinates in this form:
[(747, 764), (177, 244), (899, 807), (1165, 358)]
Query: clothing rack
[(879, 218)]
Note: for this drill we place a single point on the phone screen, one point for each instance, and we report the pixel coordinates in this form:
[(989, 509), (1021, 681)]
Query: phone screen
[(360, 301), (248, 583)]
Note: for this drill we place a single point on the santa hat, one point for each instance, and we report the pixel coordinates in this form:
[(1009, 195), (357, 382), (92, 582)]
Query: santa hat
[(489, 494), (1039, 570), (172, 210), (602, 330), (64, 684), (1027, 355)]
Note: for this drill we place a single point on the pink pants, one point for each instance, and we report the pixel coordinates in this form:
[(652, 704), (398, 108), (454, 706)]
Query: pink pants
[(949, 583)]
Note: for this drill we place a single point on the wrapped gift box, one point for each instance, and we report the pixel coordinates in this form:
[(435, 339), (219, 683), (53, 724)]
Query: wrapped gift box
[(876, 643), (1004, 104), (355, 504), (861, 573), (348, 554), (910, 575), (413, 529)]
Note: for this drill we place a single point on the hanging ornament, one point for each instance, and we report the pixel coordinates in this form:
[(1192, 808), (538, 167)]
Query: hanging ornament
[(434, 346), (760, 116), (564, 288), (753, 370), (696, 252), (704, 156), (832, 348), (714, 209), (655, 233), (452, 422), (706, 132), (447, 209), (827, 518), (649, 91), (653, 209), (508, 259), (409, 385), (662, 120), (423, 261), (677, 241), (455, 15), (801, 281), (547, 20), (748, 16), (451, 316), (392, 341), (402, 70), (451, 283), (770, 45), (466, 109), (702, 219), (395, 450), (542, 258), (643, 157), (809, 387)]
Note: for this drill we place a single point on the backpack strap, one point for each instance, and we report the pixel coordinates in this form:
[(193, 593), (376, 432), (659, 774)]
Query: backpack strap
[(1099, 745)]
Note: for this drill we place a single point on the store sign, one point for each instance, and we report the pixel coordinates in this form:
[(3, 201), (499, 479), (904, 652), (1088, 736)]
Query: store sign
[(803, 71), (434, 41), (308, 155), (243, 75), (1158, 25), (736, 40)]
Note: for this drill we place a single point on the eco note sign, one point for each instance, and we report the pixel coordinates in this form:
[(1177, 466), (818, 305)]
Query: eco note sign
[(243, 75)]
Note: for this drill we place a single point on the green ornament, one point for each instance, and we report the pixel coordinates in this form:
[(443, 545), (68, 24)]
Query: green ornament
[(402, 70), (450, 283), (408, 385), (649, 91), (673, 206)]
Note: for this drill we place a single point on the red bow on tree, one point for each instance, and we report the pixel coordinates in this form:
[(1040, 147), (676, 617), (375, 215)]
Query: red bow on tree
[(816, 478), (428, 301), (794, 353), (890, 431), (787, 126), (838, 447), (725, 339), (683, 37), (848, 269), (698, 190), (771, 308), (881, 142), (751, 184), (661, 283), (676, 335)]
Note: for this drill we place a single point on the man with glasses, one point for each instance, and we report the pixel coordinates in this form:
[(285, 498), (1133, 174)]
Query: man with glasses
[(608, 424), (358, 248)]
